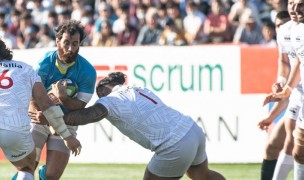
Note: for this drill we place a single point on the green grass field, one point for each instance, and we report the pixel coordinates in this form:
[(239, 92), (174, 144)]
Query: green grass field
[(135, 171)]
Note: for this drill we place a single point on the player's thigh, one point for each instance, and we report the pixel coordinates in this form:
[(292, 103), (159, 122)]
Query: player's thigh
[(55, 142), (18, 147), (57, 154), (275, 141), (40, 134), (27, 163), (298, 150), (174, 161), (292, 114)]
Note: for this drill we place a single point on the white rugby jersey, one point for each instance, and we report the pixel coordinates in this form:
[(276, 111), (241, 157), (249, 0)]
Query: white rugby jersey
[(139, 114), (298, 44), (16, 83), (285, 43)]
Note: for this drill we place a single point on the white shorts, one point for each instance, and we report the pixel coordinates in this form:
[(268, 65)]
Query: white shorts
[(294, 105), (176, 160), (42, 134), (16, 145)]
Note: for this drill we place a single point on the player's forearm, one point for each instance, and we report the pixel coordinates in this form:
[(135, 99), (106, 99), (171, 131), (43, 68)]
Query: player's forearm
[(87, 115), (40, 99), (278, 108), (72, 103), (283, 67)]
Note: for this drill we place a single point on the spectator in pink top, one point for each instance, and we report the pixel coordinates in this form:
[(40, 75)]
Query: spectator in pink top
[(217, 26)]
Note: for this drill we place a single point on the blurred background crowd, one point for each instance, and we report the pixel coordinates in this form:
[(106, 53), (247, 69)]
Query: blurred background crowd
[(28, 24)]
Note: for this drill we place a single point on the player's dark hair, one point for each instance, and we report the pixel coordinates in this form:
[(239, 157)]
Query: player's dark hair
[(283, 15), (114, 78), (71, 27), (5, 53)]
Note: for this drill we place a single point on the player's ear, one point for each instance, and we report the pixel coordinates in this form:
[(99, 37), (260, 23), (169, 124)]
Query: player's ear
[(57, 41)]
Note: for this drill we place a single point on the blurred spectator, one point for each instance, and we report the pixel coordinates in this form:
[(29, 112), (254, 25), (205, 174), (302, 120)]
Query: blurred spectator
[(64, 16), (119, 24), (30, 37), (116, 6), (26, 23), (277, 5), (5, 6), (39, 13), (20, 5), (150, 33), (128, 36), (194, 24), (140, 12), (87, 20), (105, 37), (239, 8), (175, 14), (62, 6), (217, 26), (78, 7), (269, 34), (149, 3), (45, 41), (104, 14), (249, 31), (171, 35), (2, 17), (9, 39), (14, 22), (52, 23), (162, 14)]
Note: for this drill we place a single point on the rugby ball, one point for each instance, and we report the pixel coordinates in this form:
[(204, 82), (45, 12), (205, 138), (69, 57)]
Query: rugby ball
[(72, 87)]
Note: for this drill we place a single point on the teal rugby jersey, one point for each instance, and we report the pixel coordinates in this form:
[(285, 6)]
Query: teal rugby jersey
[(81, 71)]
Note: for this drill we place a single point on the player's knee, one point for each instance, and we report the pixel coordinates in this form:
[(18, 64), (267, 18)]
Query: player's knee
[(272, 151)]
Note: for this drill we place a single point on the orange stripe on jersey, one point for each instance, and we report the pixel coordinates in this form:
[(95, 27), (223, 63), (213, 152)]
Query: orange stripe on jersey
[(258, 69)]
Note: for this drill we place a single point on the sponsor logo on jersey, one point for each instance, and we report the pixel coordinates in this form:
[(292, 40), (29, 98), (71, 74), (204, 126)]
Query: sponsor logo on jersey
[(10, 65), (292, 54), (298, 38), (287, 38), (293, 111)]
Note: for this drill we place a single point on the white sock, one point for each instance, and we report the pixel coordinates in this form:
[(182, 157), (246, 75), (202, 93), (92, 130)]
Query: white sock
[(23, 175), (283, 167), (298, 171)]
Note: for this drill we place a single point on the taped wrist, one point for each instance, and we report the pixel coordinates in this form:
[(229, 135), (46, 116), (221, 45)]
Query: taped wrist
[(281, 80), (54, 115)]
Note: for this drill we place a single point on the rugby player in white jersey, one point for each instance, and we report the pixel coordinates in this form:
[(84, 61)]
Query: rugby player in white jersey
[(18, 83), (284, 20), (287, 59), (178, 142), (297, 74)]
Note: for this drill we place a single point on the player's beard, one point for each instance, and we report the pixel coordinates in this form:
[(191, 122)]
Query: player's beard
[(67, 57)]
